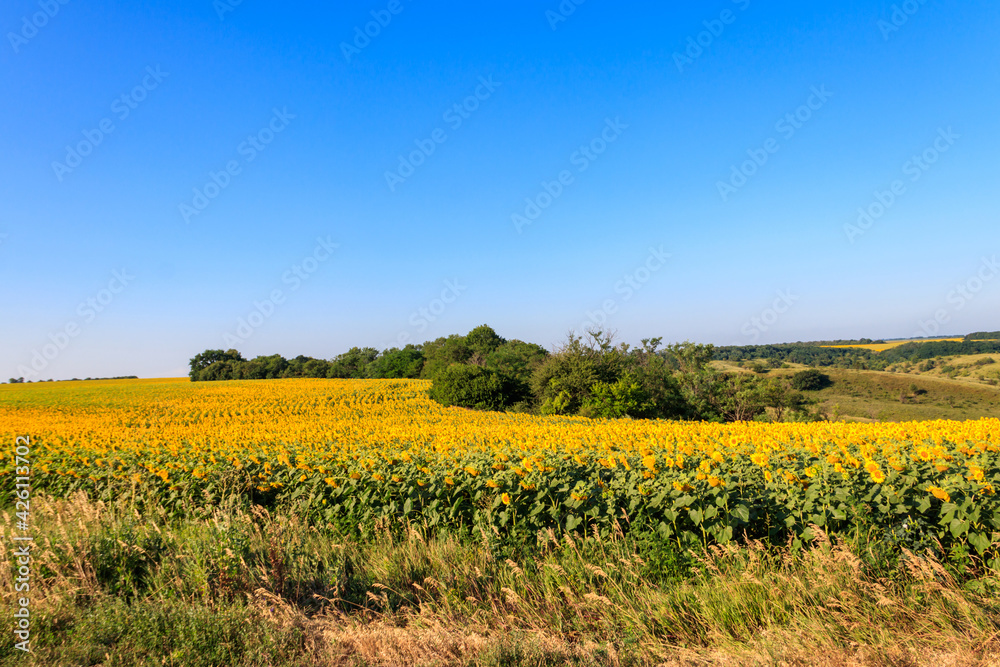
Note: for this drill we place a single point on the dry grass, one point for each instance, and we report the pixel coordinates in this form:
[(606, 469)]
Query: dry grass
[(406, 598)]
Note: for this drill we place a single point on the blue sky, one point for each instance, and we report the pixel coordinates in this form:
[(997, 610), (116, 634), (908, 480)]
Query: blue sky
[(252, 149)]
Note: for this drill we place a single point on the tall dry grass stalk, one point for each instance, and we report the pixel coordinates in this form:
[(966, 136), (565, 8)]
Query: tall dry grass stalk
[(409, 597)]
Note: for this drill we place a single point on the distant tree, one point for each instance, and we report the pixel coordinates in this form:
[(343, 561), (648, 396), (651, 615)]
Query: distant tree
[(202, 361), (468, 386), (983, 335), (220, 370), (624, 398), (315, 368), (397, 363), (353, 363), (517, 361), (442, 353), (274, 365), (482, 341), (810, 380), (741, 397)]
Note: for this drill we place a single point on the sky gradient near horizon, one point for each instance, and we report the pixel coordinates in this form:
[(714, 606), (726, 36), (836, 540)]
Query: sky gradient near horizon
[(176, 176)]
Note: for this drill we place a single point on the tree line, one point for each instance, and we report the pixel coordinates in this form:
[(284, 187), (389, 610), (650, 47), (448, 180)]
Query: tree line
[(812, 354), (588, 375)]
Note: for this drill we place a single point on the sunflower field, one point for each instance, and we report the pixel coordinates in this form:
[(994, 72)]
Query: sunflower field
[(361, 454)]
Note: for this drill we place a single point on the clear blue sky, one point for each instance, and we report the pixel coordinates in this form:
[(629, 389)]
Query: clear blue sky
[(310, 129)]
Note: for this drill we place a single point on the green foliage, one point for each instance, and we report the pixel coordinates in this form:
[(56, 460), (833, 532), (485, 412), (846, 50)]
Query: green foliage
[(261, 368), (624, 398), (152, 633), (517, 359), (397, 363), (201, 363), (352, 364), (442, 353), (984, 335), (483, 340), (473, 387), (810, 380), (562, 383)]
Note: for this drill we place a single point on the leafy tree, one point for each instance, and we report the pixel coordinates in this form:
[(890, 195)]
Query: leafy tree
[(255, 369), (396, 363), (624, 398), (517, 361), (810, 380), (202, 361), (741, 397), (273, 366), (655, 374), (698, 384), (482, 341), (562, 383), (442, 353), (315, 368), (219, 370), (353, 363), (468, 386)]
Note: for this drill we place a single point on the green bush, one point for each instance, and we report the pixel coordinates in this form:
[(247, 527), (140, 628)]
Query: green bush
[(624, 398), (468, 386), (810, 380)]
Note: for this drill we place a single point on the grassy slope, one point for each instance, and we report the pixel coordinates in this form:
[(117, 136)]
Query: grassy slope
[(887, 396)]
